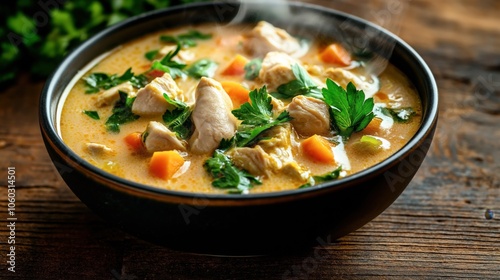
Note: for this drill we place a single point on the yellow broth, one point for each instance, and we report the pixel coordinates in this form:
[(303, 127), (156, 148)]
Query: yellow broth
[(78, 129)]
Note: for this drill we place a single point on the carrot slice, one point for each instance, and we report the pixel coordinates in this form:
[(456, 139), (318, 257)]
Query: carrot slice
[(316, 148), (373, 126), (336, 54), (134, 141), (164, 164), (237, 92), (236, 67)]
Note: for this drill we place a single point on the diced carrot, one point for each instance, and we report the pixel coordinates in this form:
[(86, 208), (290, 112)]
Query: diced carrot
[(336, 54), (164, 164), (318, 149), (237, 92), (134, 141), (373, 126), (155, 73), (236, 67), (381, 97)]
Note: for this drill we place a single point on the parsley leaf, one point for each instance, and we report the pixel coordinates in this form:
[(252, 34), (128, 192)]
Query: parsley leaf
[(259, 111), (151, 55), (202, 68), (227, 176), (96, 82), (186, 40), (302, 85), (256, 117), (252, 69), (93, 114), (167, 65), (122, 113), (349, 110), (178, 120), (335, 174)]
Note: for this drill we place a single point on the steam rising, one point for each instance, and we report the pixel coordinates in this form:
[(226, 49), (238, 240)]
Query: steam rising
[(362, 41)]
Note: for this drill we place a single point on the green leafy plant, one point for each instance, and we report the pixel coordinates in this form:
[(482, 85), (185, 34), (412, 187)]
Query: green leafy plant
[(35, 36)]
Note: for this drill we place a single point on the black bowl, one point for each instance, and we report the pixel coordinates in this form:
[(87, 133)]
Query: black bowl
[(255, 223)]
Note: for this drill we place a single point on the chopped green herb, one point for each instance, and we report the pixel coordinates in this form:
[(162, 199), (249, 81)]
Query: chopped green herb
[(349, 110), (335, 174), (174, 72), (252, 69), (258, 111), (400, 115), (96, 82), (178, 120), (302, 85), (202, 68), (186, 40), (227, 176), (256, 117), (122, 113), (247, 135), (151, 55), (93, 114), (167, 65)]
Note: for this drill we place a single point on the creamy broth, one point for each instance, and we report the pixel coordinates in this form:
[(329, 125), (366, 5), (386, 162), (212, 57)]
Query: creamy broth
[(78, 129)]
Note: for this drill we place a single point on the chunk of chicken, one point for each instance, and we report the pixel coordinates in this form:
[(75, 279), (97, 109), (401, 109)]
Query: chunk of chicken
[(110, 96), (265, 38), (150, 100), (98, 150), (254, 160), (212, 117), (270, 155), (158, 137), (309, 116), (277, 69), (342, 77)]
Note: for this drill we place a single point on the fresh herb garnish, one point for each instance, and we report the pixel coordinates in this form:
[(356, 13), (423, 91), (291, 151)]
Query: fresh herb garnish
[(186, 40), (202, 68), (227, 176), (122, 113), (349, 110), (252, 69), (96, 82), (302, 85), (167, 65), (178, 120), (256, 117), (400, 115), (93, 114), (151, 55), (335, 174)]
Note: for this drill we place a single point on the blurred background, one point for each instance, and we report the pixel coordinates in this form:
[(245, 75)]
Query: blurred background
[(36, 35)]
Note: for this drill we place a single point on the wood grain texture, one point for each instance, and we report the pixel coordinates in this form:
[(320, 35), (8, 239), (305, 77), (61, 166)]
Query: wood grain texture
[(436, 229)]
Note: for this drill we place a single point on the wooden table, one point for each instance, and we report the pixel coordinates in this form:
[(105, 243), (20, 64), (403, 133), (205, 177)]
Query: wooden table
[(437, 228)]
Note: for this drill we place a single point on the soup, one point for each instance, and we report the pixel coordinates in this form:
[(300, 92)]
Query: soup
[(236, 109)]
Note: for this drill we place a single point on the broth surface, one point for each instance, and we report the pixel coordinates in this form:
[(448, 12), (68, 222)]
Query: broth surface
[(78, 129)]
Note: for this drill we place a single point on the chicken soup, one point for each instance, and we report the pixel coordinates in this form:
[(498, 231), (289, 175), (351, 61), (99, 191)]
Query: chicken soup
[(236, 109)]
